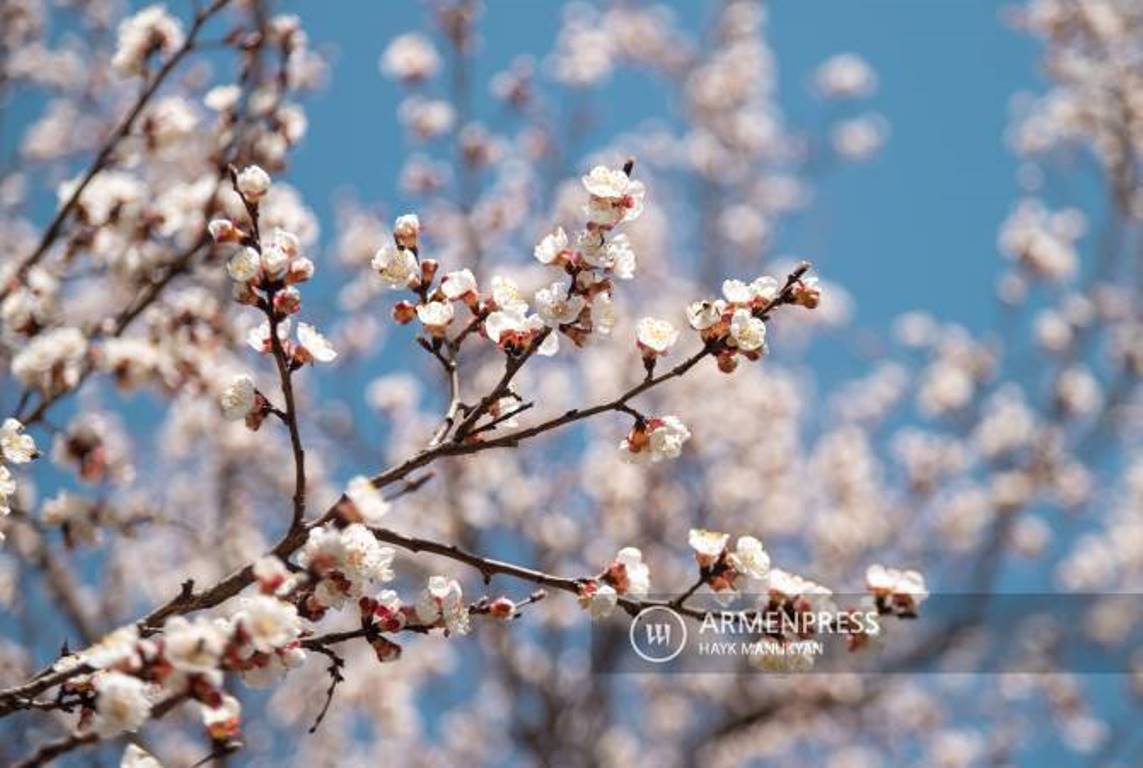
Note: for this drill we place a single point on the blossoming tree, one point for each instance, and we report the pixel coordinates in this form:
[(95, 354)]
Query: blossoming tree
[(429, 453)]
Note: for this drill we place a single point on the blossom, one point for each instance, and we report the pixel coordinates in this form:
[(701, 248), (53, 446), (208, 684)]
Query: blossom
[(222, 720), (708, 545), (556, 305), (747, 332), (115, 648), (345, 561), (150, 30), (750, 562), (406, 229), (275, 261), (703, 314), (507, 295), (442, 601), (410, 57), (223, 231), (273, 577), (259, 337), (314, 346), (367, 500), (397, 267), (628, 574), (765, 288), (599, 600), (121, 704), (244, 265), (608, 183), (660, 438), (845, 76), (552, 247), (655, 337), (194, 648), (238, 398), (15, 446), (267, 623), (135, 756), (253, 183), (435, 315), (457, 285), (903, 591), (515, 331), (615, 197), (53, 361), (7, 490), (222, 98), (616, 256), (737, 292)]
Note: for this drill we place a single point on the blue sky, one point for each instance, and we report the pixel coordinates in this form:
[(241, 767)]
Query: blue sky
[(922, 217)]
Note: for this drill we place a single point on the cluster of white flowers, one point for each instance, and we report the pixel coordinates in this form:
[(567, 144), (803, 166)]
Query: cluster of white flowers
[(266, 631), (627, 575), (16, 447), (53, 361), (735, 324), (901, 592), (442, 604), (345, 562), (577, 305), (745, 569), (152, 30), (266, 274), (189, 657), (654, 439)]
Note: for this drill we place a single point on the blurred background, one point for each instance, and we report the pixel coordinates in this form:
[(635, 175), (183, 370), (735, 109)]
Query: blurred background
[(962, 174)]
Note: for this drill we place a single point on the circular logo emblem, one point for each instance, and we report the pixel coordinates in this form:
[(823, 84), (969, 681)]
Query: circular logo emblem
[(658, 634)]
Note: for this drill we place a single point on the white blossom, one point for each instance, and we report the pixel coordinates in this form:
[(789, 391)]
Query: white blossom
[(551, 246), (456, 285), (268, 623), (655, 337), (368, 501), (253, 183), (121, 704), (708, 545), (244, 265), (7, 490), (599, 600), (557, 306), (751, 562), (52, 361), (397, 267), (237, 399), (353, 553), (845, 76), (135, 756), (435, 315), (638, 575), (747, 332), (704, 314), (194, 647), (443, 601), (315, 344), (259, 337), (410, 57), (150, 30), (15, 446)]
